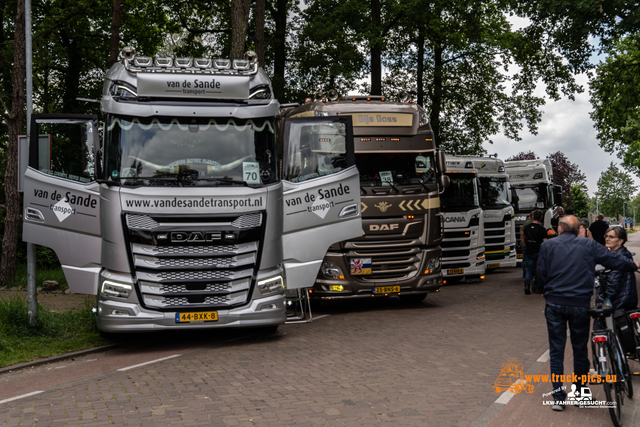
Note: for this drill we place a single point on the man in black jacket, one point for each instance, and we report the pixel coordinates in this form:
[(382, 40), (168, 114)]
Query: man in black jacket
[(534, 236), (566, 270), (598, 228)]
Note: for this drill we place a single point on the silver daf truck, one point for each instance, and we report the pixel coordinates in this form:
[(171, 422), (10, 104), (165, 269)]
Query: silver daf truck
[(184, 217), (401, 175), (463, 254)]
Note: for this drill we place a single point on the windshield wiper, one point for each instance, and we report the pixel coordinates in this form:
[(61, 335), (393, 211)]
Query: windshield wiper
[(224, 179)]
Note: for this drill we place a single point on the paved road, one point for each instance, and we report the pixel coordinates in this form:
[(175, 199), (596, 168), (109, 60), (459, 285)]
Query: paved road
[(370, 362)]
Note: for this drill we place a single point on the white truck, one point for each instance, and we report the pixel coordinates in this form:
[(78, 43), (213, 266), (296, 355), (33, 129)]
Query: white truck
[(497, 211), (532, 188), (189, 214), (463, 252)]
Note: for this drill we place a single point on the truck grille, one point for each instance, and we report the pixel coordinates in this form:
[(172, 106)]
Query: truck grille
[(194, 262), (388, 262)]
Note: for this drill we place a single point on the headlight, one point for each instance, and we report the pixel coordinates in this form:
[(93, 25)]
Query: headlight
[(271, 284), (331, 271), (432, 265), (423, 118), (115, 289)]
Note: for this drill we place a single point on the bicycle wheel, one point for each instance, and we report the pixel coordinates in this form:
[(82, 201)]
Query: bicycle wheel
[(613, 390), (624, 364)]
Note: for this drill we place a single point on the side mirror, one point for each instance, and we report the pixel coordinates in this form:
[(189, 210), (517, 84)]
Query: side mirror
[(442, 163), (557, 193), (445, 181)]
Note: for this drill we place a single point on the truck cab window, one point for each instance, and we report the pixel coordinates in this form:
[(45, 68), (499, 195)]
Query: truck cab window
[(211, 151), (380, 169), (461, 193), (494, 192), (70, 154), (316, 150)]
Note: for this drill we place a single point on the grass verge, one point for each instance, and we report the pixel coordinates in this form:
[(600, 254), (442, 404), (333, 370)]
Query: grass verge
[(54, 333), (42, 274)]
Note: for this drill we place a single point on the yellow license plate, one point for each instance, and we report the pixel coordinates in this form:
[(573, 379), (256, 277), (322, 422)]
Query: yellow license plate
[(456, 271), (203, 316), (386, 289), (493, 265), (519, 256)]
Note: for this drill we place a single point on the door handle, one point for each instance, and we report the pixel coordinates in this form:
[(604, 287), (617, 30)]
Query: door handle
[(350, 210)]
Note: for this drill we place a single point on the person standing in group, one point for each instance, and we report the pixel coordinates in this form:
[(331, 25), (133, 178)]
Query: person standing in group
[(566, 271), (523, 244), (584, 229), (620, 285), (598, 228), (534, 235)]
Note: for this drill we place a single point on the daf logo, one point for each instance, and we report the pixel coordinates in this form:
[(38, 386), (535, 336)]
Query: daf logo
[(454, 219), (194, 236), (383, 227)]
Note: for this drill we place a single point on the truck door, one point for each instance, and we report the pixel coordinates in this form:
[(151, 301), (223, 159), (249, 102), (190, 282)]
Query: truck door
[(321, 193), (62, 198)]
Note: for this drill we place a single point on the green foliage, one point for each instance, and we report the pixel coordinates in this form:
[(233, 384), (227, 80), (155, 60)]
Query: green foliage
[(53, 333), (615, 186), (578, 202), (615, 96)]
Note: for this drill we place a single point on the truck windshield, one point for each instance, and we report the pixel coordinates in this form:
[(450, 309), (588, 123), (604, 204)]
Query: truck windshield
[(379, 169), (185, 151), (461, 194), (495, 192), (529, 198)]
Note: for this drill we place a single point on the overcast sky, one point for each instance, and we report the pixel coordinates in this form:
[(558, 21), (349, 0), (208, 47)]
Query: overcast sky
[(567, 127)]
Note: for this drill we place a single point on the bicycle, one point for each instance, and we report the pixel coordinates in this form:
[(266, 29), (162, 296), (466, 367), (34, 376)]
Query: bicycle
[(609, 358), (633, 317)]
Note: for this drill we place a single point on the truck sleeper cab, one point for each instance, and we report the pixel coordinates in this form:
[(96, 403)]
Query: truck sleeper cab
[(183, 218), (398, 251), (463, 245), (532, 188)]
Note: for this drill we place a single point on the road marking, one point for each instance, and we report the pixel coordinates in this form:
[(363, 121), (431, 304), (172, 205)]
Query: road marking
[(505, 397), (147, 363), (544, 358), (21, 396)]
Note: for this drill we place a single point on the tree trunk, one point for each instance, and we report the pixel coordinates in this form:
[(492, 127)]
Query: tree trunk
[(436, 100), (16, 118), (420, 66), (260, 8), (115, 34), (239, 25), (376, 50), (280, 60)]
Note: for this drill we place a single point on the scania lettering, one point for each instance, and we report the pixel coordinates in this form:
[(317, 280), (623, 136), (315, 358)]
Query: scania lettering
[(183, 218), (533, 188), (497, 211), (463, 245), (398, 252)]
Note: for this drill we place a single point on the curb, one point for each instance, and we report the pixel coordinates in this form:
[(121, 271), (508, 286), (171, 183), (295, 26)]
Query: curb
[(61, 357)]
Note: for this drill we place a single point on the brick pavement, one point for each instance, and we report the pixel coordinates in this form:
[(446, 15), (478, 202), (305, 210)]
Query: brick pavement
[(367, 363)]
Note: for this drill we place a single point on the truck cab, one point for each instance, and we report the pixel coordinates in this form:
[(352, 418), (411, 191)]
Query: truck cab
[(401, 173), (533, 188), (463, 253), (184, 216), (497, 211)]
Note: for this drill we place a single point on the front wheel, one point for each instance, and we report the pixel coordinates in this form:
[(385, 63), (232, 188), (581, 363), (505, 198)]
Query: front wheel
[(613, 390)]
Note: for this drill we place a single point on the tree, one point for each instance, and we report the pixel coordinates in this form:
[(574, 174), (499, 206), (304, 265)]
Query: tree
[(529, 155), (566, 174), (615, 96), (578, 202), (15, 120), (239, 23), (615, 187)]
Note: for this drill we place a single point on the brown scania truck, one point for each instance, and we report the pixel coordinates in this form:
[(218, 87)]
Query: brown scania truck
[(401, 176)]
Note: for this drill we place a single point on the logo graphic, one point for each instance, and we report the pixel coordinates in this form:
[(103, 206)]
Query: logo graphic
[(360, 266), (383, 206), (511, 378), (63, 210), (584, 395)]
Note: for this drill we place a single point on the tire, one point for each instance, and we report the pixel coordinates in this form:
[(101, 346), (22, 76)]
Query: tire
[(412, 299), (626, 372), (613, 390)]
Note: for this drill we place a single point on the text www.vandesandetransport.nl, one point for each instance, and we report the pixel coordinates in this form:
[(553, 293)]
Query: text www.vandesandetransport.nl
[(196, 203)]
